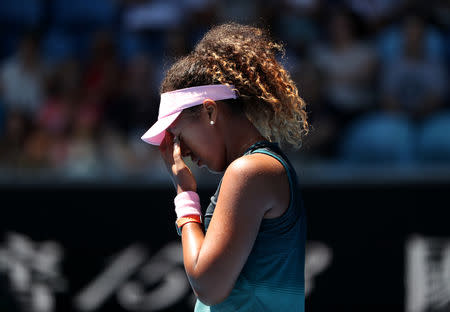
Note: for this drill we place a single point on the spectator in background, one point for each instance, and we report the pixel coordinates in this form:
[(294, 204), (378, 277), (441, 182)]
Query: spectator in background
[(59, 109), (152, 20), (35, 149), (376, 12), (320, 143), (297, 23), (17, 125), (348, 65), (83, 159), (76, 98), (21, 77), (391, 40), (130, 110), (61, 96), (99, 82), (414, 84), (102, 67)]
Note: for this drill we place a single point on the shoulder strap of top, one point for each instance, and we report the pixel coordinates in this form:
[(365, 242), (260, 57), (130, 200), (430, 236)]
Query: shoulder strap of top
[(275, 154), (292, 213)]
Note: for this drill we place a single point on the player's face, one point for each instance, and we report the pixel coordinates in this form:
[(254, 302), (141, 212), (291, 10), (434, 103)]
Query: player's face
[(200, 140)]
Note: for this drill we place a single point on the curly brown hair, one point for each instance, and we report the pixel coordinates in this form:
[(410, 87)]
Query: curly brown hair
[(245, 56)]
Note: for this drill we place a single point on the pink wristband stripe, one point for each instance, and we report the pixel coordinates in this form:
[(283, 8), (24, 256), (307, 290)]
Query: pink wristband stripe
[(187, 203)]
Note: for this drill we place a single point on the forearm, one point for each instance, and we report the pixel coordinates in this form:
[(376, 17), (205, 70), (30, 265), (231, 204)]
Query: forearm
[(205, 283), (192, 237)]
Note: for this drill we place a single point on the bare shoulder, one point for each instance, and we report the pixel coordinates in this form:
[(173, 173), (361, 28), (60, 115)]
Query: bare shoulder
[(264, 176), (256, 167), (257, 163)]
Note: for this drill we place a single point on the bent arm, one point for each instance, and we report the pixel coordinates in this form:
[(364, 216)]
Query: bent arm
[(214, 261)]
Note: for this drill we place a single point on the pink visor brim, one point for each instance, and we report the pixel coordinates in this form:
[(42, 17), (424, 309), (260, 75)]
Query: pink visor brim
[(174, 102), (155, 135)]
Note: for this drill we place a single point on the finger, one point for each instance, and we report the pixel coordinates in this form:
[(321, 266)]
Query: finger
[(177, 150), (169, 140), (167, 149)]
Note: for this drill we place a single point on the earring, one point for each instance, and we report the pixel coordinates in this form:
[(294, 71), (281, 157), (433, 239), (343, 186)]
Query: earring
[(211, 122)]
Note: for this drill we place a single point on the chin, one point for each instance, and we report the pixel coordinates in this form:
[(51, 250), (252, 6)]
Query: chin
[(212, 170)]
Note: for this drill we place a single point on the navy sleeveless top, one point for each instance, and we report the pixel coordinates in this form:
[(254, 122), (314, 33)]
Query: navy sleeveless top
[(272, 278)]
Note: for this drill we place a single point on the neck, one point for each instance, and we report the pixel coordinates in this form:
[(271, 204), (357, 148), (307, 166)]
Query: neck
[(239, 137)]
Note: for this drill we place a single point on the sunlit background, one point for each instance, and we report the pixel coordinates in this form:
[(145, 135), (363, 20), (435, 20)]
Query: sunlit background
[(79, 85)]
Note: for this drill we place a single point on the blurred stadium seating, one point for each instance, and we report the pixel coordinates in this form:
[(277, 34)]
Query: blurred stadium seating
[(379, 139), (433, 139), (105, 39)]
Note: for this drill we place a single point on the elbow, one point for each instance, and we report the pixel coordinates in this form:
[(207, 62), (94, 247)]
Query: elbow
[(210, 292), (211, 298)]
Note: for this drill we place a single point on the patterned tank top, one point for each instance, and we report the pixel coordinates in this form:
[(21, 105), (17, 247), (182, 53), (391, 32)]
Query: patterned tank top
[(272, 278)]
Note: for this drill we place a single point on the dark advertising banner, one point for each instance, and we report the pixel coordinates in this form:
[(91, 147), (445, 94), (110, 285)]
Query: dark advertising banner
[(115, 248)]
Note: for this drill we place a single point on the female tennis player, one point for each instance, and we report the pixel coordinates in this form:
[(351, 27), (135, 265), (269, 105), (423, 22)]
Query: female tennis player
[(230, 105)]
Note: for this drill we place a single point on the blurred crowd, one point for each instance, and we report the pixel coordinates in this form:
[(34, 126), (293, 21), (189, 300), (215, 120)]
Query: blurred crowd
[(79, 79)]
